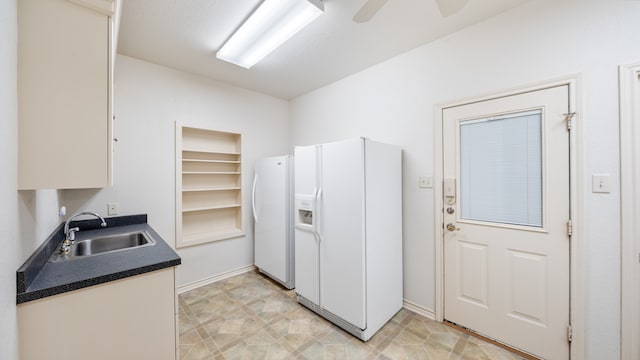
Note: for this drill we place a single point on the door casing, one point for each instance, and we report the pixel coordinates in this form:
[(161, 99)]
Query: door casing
[(577, 200), (629, 202)]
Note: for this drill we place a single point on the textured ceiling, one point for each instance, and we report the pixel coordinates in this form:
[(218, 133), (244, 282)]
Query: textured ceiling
[(185, 34)]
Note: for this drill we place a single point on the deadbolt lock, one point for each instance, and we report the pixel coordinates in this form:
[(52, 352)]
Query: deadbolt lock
[(450, 210)]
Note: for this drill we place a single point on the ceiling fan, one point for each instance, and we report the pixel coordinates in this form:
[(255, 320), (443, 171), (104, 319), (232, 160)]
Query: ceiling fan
[(371, 7)]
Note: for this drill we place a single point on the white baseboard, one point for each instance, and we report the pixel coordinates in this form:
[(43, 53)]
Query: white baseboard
[(212, 279), (428, 313)]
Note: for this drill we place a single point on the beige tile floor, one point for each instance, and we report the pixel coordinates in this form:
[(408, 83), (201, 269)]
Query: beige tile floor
[(250, 317)]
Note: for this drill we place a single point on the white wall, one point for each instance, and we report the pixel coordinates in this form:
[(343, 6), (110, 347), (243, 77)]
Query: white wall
[(394, 102), (11, 254), (148, 100)]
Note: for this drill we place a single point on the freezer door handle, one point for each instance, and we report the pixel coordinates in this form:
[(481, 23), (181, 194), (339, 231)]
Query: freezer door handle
[(253, 198), (316, 213)]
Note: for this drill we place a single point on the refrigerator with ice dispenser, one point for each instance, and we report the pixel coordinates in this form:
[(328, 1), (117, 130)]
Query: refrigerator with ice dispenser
[(348, 232)]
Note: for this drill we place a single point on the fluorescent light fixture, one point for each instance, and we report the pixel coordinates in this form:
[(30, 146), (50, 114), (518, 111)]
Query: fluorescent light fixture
[(273, 23)]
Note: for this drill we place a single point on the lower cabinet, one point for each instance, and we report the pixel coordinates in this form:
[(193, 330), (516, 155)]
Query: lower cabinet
[(131, 318)]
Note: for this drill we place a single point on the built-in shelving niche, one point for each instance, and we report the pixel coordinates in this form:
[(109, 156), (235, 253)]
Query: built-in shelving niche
[(208, 185)]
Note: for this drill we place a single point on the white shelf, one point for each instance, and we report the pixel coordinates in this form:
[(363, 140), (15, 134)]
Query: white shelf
[(211, 161), (206, 208), (208, 186), (210, 151), (210, 173), (201, 238), (210, 189)]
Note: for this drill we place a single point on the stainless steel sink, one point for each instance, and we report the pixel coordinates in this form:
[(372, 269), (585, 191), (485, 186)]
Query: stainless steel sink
[(104, 244)]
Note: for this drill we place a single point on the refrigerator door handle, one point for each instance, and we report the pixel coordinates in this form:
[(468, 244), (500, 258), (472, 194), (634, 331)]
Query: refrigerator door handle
[(313, 211), (253, 198), (316, 213)]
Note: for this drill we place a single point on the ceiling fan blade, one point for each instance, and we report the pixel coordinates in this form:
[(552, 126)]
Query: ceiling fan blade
[(450, 7), (368, 10)]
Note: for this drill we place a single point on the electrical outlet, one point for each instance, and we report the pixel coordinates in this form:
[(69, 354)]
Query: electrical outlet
[(112, 209)]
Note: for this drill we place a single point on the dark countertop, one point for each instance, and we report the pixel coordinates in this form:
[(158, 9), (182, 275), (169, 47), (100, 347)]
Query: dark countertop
[(37, 278)]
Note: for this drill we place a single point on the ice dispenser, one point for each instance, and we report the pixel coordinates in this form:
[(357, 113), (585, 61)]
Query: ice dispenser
[(304, 212)]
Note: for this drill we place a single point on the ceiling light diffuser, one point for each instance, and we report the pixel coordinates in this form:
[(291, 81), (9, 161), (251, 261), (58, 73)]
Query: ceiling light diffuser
[(273, 23)]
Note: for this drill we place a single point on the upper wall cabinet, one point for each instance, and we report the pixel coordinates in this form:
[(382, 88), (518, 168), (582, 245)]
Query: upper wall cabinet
[(65, 83)]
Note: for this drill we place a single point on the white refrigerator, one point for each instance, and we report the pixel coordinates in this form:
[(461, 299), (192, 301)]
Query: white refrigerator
[(272, 206), (348, 233)]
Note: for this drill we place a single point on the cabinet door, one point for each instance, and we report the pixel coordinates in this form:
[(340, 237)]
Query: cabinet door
[(63, 94), (131, 318)]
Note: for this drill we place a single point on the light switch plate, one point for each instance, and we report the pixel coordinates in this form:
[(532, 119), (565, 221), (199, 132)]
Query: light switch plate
[(600, 183), (426, 181)]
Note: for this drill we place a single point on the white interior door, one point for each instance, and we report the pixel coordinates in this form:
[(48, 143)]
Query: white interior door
[(506, 213)]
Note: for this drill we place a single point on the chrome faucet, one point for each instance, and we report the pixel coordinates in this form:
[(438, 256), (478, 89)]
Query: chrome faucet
[(70, 234)]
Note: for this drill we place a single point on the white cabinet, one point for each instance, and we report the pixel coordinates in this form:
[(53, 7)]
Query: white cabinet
[(208, 185), (131, 318), (65, 58)]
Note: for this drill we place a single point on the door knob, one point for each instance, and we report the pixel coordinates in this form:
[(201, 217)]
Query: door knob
[(452, 227)]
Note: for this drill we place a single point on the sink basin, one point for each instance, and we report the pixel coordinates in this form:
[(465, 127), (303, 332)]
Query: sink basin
[(104, 244), (109, 243)]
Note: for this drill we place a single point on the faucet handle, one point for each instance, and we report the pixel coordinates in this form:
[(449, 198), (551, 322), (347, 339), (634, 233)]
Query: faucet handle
[(71, 234)]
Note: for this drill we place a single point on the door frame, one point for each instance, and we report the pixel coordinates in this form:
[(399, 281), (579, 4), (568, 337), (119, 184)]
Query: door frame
[(577, 193), (629, 202)]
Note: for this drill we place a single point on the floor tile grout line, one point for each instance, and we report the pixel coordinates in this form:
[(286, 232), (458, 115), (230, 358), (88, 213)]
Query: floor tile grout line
[(246, 293)]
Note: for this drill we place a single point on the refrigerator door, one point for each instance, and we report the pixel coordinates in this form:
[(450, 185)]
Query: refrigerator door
[(272, 201), (306, 241), (341, 228)]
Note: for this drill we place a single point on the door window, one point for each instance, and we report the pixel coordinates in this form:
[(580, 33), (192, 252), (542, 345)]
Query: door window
[(501, 169)]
